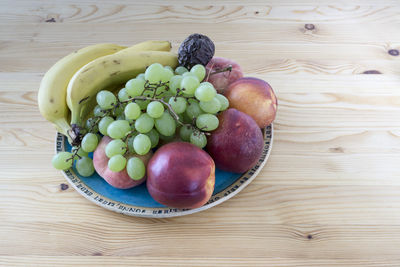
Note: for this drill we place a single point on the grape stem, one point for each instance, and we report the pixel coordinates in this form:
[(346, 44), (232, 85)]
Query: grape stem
[(229, 68)]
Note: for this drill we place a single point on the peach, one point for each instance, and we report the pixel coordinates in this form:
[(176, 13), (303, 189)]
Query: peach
[(254, 97), (222, 80), (237, 143), (181, 175), (120, 179)]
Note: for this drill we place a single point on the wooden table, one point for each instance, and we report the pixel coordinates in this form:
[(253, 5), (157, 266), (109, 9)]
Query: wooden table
[(330, 192)]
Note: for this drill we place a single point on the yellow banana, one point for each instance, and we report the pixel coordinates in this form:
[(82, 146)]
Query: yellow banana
[(108, 70), (53, 87), (88, 106)]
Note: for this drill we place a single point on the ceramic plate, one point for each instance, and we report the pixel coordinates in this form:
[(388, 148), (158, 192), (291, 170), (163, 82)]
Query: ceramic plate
[(138, 202)]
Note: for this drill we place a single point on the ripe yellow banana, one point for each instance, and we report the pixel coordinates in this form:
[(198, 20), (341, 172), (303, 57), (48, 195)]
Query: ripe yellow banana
[(87, 106), (53, 87), (108, 70)]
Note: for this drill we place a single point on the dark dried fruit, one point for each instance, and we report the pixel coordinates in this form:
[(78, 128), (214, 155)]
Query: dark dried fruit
[(196, 49)]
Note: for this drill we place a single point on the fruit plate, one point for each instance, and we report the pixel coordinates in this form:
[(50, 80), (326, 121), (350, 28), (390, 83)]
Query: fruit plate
[(138, 202)]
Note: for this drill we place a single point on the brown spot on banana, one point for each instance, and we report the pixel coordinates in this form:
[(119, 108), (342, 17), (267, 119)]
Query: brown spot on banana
[(114, 73), (116, 61), (83, 100), (87, 69)]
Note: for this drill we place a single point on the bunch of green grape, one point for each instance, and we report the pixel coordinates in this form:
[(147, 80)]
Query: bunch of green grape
[(159, 104)]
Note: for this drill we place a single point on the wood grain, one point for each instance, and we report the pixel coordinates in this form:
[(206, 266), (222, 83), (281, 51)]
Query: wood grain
[(210, 13), (329, 194)]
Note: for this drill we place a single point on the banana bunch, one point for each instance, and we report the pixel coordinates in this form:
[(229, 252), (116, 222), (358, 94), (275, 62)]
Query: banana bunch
[(67, 92)]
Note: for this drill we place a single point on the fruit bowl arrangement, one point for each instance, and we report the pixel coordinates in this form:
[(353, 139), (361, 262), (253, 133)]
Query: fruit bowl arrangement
[(147, 132)]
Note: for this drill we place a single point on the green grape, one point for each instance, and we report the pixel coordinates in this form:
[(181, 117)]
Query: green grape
[(135, 168), (193, 110), (97, 111), (142, 144), (130, 142), (104, 123), (142, 104), (62, 161), (117, 163), (144, 123), (106, 99), (115, 147), (198, 139), (189, 84), (80, 152), (135, 87), (205, 92), (166, 75), (178, 104), (223, 101), (165, 125), (191, 74), (212, 106), (181, 70), (155, 109), (169, 68), (89, 142), (166, 139), (207, 122), (167, 96), (154, 73), (123, 95), (161, 92), (175, 83), (140, 76), (118, 129), (185, 132), (91, 125), (84, 166), (132, 111), (199, 71), (154, 137)]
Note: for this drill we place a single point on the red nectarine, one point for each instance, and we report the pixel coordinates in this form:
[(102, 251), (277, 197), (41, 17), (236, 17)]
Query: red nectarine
[(181, 175), (254, 97), (237, 143)]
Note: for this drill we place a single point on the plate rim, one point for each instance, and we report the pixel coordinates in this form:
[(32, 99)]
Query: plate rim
[(166, 212)]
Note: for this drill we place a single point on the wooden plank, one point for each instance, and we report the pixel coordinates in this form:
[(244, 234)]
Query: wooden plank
[(190, 240), (237, 34), (209, 13), (257, 203), (96, 261)]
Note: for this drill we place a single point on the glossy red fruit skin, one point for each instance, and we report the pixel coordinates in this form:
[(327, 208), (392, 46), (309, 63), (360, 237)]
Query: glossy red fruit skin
[(254, 97), (120, 180), (237, 143), (181, 175)]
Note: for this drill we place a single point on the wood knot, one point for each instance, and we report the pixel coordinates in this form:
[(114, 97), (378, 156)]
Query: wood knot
[(336, 149), (309, 237), (97, 254), (393, 52), (309, 27), (51, 20), (64, 187), (257, 12), (371, 72)]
